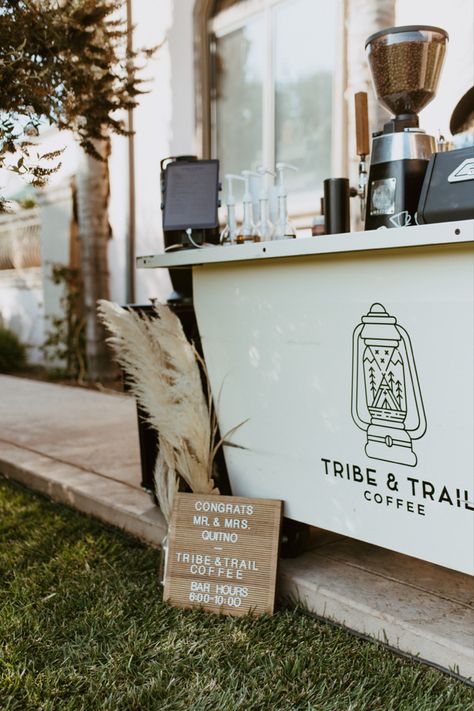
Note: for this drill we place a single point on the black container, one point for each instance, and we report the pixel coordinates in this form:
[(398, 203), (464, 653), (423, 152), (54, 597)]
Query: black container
[(448, 188), (336, 205)]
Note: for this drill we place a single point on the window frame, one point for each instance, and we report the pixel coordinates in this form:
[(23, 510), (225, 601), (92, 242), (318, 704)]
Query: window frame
[(301, 205)]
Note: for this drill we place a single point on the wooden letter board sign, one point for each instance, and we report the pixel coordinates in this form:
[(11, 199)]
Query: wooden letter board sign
[(223, 553)]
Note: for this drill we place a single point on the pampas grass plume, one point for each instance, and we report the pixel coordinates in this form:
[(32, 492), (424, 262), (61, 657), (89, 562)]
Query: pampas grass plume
[(163, 372)]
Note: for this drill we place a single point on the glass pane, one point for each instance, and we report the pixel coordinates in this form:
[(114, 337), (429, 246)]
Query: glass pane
[(304, 65), (240, 70)]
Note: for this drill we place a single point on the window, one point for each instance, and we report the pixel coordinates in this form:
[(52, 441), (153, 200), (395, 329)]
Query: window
[(273, 90)]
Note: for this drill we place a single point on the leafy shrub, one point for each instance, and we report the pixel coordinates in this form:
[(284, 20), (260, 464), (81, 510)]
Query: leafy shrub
[(12, 351)]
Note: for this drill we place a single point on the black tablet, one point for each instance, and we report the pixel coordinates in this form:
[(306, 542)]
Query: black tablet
[(191, 195)]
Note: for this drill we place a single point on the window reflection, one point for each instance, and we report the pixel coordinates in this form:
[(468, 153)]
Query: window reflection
[(276, 64), (240, 67), (304, 67)]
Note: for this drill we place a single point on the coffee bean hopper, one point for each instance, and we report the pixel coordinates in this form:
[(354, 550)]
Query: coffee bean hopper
[(406, 64)]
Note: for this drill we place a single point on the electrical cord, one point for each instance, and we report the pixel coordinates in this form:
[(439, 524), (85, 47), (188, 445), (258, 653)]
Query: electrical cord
[(189, 233), (173, 247)]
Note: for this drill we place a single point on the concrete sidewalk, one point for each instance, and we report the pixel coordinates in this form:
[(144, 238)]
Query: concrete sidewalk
[(81, 447)]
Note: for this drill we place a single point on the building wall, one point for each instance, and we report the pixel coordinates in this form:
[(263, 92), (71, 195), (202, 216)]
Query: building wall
[(165, 121), (457, 18), (164, 126), (21, 279), (22, 307), (56, 208)]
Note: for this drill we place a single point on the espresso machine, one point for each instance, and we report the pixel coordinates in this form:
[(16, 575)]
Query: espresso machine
[(406, 64)]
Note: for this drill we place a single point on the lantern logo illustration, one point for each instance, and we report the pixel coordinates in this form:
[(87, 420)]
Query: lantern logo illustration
[(386, 395)]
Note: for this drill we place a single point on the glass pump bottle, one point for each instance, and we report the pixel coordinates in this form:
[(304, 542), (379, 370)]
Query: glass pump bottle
[(264, 225), (284, 229), (247, 231), (229, 233)]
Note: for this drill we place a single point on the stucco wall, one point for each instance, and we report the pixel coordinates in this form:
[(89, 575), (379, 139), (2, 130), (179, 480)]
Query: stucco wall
[(457, 18), (22, 307), (164, 125)]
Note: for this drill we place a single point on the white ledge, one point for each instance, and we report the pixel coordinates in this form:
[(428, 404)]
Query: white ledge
[(402, 237)]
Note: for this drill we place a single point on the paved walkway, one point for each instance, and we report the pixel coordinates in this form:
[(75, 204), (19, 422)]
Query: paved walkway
[(81, 447)]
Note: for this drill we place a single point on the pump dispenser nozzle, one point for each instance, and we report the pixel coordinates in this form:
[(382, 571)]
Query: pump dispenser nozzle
[(247, 231), (264, 225), (283, 227), (229, 233)]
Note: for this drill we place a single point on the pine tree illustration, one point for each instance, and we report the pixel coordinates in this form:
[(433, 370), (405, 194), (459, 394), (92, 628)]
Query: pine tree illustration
[(391, 380), (372, 381), (399, 394)]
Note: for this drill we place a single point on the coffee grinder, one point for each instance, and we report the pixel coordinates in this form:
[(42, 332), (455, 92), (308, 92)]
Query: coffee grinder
[(406, 64)]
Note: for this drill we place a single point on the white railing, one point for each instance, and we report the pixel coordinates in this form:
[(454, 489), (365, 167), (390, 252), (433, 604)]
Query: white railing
[(20, 240)]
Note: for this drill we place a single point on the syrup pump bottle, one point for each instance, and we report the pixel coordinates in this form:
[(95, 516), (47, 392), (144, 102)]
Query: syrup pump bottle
[(229, 233), (264, 225), (247, 231), (283, 227)]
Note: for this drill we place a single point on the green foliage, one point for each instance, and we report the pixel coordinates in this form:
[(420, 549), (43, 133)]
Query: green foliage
[(19, 155), (12, 351), (64, 62), (66, 340), (27, 203), (83, 627)]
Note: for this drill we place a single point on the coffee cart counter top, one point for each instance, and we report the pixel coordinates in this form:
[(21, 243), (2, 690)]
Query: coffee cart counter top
[(420, 236)]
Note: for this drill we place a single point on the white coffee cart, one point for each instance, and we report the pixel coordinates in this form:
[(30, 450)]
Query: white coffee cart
[(349, 359)]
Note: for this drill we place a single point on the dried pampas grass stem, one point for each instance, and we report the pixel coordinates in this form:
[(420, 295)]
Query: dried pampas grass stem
[(163, 371)]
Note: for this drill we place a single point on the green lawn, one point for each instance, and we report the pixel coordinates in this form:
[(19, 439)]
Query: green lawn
[(83, 626)]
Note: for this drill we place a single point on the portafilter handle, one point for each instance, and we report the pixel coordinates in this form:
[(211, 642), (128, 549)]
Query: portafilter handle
[(362, 144)]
